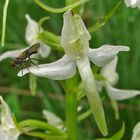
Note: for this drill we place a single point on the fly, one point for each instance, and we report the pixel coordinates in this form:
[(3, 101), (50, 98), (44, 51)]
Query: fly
[(25, 55)]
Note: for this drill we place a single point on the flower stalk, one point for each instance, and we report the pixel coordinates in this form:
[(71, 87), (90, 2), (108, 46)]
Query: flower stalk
[(59, 10), (41, 125), (71, 109), (4, 22), (71, 115)]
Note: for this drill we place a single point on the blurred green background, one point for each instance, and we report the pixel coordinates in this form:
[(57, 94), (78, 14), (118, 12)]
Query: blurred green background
[(122, 29)]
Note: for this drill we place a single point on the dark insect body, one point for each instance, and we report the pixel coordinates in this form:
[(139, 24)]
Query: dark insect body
[(25, 55)]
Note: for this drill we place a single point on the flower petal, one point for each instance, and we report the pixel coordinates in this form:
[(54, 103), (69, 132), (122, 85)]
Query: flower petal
[(44, 50), (75, 37), (8, 130), (109, 72), (51, 118), (31, 30), (3, 135), (132, 3), (54, 120), (63, 68), (11, 54), (99, 85), (136, 132), (105, 54), (92, 93), (6, 117), (120, 94)]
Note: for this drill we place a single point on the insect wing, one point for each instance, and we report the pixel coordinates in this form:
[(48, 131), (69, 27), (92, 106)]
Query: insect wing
[(33, 48)]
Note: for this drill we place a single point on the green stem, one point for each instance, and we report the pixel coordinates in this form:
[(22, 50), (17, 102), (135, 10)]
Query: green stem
[(102, 21), (59, 10), (32, 84), (69, 2), (71, 114), (41, 125), (76, 9), (4, 22), (45, 136), (85, 115)]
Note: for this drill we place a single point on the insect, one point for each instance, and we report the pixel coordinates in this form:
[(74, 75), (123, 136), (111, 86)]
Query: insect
[(25, 55)]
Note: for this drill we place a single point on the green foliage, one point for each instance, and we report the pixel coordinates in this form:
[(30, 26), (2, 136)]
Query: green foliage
[(51, 39), (117, 136), (122, 28)]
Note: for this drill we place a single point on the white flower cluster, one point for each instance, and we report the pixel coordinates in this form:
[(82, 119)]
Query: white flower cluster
[(132, 3)]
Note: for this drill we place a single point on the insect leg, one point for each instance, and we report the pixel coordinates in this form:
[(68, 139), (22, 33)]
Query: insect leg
[(24, 64), (37, 60), (28, 55), (30, 59), (18, 68), (33, 63)]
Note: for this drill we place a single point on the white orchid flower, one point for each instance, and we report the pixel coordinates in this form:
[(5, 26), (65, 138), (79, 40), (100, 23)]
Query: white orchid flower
[(8, 130), (53, 119), (112, 77), (31, 36), (75, 41), (31, 33), (136, 132), (132, 3)]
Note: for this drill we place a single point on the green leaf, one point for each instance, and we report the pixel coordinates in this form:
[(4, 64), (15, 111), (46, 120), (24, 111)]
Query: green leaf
[(117, 136)]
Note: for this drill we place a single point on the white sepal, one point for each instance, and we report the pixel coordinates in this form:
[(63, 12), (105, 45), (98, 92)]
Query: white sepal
[(106, 53), (11, 54), (121, 94), (136, 132), (109, 72), (63, 68)]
